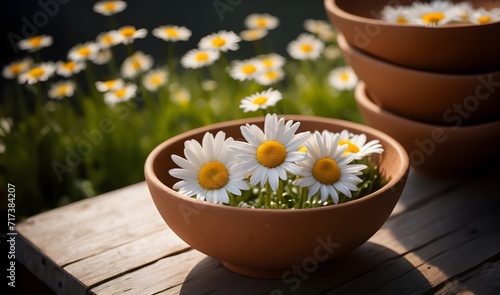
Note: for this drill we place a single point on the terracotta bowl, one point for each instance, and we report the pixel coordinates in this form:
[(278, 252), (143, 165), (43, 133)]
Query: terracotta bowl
[(435, 150), (265, 243), (442, 99), (451, 49)]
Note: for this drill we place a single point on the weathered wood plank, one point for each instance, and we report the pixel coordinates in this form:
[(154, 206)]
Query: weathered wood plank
[(159, 276), (92, 226), (122, 259), (484, 279)]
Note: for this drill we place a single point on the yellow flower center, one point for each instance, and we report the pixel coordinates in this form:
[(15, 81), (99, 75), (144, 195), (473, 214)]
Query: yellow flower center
[(271, 154), (171, 32), (107, 39), (302, 149), (218, 41), (306, 47), (213, 175), (326, 171), (84, 51), (484, 19), (401, 20), (248, 69), (262, 23), (109, 84), (120, 93), (432, 17), (351, 147), (128, 32), (16, 69), (70, 65), (271, 75), (260, 100), (61, 91), (110, 6), (36, 72), (35, 41), (268, 62), (155, 80), (344, 77), (136, 64), (202, 56)]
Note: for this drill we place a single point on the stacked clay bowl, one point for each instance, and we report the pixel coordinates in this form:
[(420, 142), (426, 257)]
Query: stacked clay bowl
[(434, 89)]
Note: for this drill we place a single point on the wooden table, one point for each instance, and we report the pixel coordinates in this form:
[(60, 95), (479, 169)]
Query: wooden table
[(443, 237)]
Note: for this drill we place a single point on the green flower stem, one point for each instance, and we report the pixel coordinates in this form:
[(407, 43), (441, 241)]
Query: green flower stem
[(258, 47), (23, 108), (279, 193), (170, 57), (130, 49), (302, 197), (269, 194), (113, 69), (89, 76)]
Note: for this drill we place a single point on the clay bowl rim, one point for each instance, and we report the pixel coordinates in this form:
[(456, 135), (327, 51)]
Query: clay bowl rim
[(349, 49), (398, 175), (334, 8), (362, 97)]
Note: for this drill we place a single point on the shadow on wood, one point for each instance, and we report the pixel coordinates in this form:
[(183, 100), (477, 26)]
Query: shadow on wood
[(345, 275)]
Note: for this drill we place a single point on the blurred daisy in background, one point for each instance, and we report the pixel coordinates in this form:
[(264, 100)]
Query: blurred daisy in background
[(105, 86), (306, 46), (83, 51), (261, 21), (342, 78), (38, 72), (61, 89), (260, 100), (172, 33), (15, 68), (135, 64), (35, 43), (223, 41), (68, 69), (197, 58), (109, 7), (129, 33), (122, 94), (154, 79)]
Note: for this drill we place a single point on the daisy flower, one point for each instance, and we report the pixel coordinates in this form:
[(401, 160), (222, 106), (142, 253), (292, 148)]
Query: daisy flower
[(332, 52), (268, 155), (67, 69), (197, 58), (129, 33), (135, 64), (253, 34), (245, 69), (208, 170), (181, 96), (395, 15), (108, 39), (357, 145), (121, 94), (306, 46), (109, 7), (261, 21), (82, 52), (154, 79), (482, 16), (172, 33), (342, 78), (314, 26), (326, 169), (223, 41), (435, 13), (15, 68), (260, 100), (463, 10), (269, 77), (35, 43), (105, 86), (272, 61), (62, 89), (37, 72), (103, 56)]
